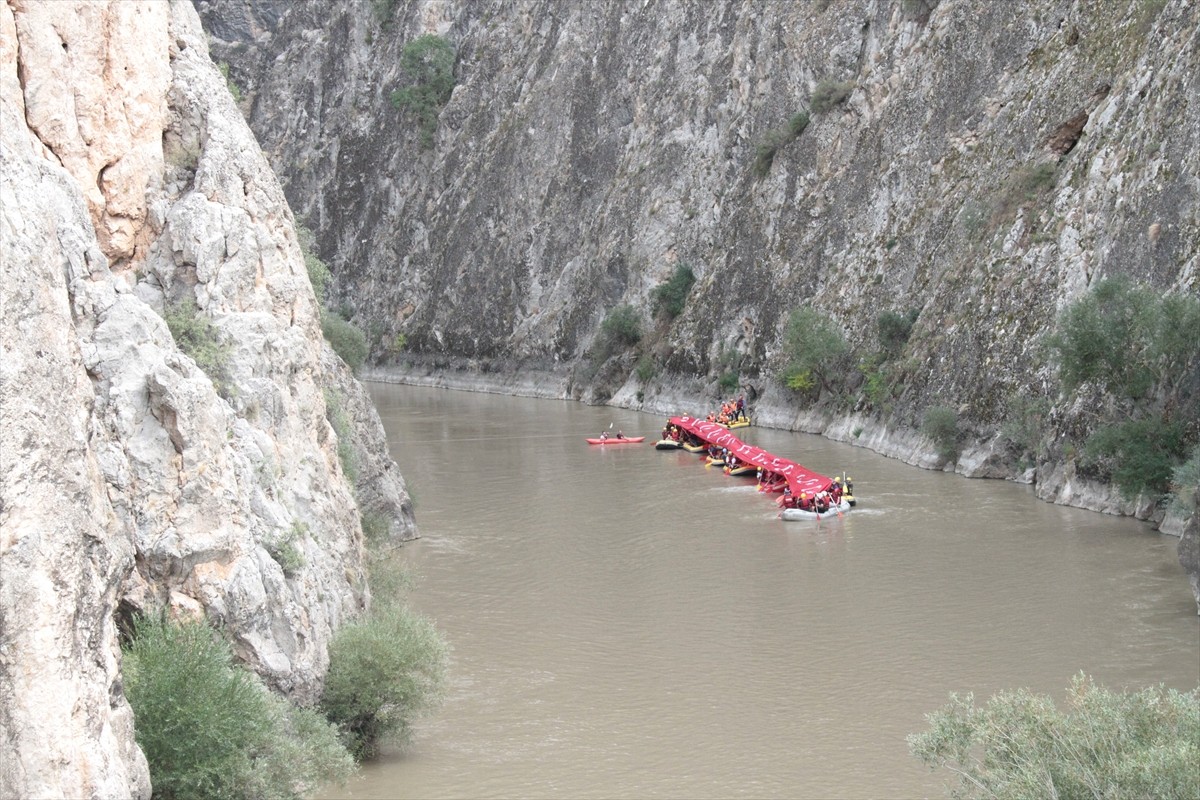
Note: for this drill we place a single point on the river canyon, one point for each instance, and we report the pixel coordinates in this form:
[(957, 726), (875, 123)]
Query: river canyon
[(628, 623), (181, 433)]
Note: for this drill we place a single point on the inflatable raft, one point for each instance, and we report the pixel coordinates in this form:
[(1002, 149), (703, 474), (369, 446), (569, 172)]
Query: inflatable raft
[(797, 514), (615, 440)]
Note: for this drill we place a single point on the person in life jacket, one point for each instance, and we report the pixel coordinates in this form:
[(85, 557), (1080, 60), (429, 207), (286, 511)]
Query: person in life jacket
[(804, 501), (620, 434), (603, 435), (835, 491), (741, 407), (822, 502)]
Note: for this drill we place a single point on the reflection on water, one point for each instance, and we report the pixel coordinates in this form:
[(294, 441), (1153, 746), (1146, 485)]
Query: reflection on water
[(627, 623)]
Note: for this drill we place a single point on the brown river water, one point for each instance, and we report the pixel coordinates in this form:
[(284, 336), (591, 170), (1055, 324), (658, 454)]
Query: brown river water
[(626, 623)]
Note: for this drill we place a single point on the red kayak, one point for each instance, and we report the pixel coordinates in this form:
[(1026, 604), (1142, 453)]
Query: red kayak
[(615, 440)]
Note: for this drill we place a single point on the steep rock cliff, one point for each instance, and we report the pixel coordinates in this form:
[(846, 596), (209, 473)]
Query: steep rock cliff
[(133, 480), (985, 167)]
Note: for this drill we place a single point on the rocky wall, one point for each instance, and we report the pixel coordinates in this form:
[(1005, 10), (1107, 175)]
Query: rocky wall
[(138, 477)]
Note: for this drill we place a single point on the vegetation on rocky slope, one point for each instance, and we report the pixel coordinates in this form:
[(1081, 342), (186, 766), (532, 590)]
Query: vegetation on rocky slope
[(210, 729)]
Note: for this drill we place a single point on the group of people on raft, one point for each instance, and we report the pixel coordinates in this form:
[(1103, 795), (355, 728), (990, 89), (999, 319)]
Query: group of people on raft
[(819, 502), (677, 434), (841, 489), (731, 411)]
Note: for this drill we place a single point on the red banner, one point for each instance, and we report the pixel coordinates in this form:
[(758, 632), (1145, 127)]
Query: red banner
[(799, 478)]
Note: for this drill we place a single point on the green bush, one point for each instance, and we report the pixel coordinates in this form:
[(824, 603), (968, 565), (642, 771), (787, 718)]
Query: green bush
[(728, 382), (1139, 346), (815, 350), (941, 426), (318, 272), (645, 368), (196, 336), (764, 154), (383, 10), (1127, 339), (622, 328), (670, 297), (336, 414), (1172, 353), (388, 577), (894, 329), (829, 94), (383, 672), (877, 387), (285, 552), (1140, 454), (234, 89), (428, 61), (1103, 745), (376, 528), (208, 729), (1024, 422), (800, 381), (345, 338)]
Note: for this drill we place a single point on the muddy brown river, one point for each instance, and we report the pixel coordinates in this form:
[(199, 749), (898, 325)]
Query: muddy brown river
[(626, 623)]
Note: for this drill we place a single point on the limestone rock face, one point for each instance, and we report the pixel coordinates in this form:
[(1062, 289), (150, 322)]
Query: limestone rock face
[(983, 170), (137, 475)]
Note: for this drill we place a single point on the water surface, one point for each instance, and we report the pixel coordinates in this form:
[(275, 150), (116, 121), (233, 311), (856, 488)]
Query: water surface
[(628, 624)]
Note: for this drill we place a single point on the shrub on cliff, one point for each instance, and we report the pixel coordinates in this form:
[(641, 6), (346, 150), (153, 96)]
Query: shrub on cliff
[(1104, 745), (209, 729), (428, 61), (764, 154), (345, 338), (829, 94), (335, 412), (815, 350), (1140, 454), (894, 329), (1139, 348), (940, 424), (383, 672), (670, 297), (318, 271), (196, 336), (622, 328)]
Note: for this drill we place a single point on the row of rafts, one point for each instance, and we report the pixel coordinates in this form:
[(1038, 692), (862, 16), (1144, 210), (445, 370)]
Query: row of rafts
[(803, 494)]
